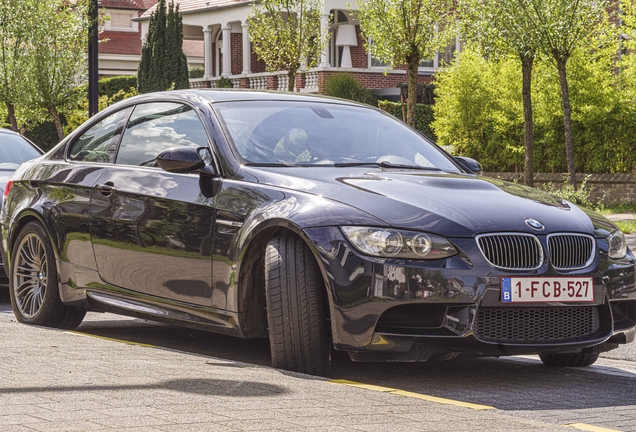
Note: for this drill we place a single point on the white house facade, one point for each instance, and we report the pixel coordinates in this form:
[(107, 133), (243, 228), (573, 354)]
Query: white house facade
[(222, 26)]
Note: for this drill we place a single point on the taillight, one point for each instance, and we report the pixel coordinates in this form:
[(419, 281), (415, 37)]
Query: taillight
[(7, 189)]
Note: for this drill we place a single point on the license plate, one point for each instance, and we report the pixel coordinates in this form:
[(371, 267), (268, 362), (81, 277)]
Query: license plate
[(546, 289)]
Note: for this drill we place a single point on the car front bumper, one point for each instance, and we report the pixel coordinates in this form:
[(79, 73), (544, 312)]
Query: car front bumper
[(406, 310)]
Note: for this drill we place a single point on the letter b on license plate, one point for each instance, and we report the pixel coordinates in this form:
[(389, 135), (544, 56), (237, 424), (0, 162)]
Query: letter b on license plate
[(547, 289)]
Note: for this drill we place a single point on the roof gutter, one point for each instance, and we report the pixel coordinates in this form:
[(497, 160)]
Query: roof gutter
[(196, 11)]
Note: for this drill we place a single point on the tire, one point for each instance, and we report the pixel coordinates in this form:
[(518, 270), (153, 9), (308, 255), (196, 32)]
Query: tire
[(33, 285), (569, 360), (298, 332)]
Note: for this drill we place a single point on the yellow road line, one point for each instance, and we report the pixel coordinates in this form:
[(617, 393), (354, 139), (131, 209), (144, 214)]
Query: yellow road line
[(413, 395), (590, 428), (76, 333)]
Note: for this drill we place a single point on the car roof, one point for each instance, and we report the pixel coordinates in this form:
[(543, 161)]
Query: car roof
[(226, 95), (8, 132)]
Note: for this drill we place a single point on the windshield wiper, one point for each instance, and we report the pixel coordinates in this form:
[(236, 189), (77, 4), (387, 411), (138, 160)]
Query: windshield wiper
[(385, 165)]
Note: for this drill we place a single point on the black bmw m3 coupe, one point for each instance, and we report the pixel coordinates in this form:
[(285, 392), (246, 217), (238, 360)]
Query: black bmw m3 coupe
[(317, 223)]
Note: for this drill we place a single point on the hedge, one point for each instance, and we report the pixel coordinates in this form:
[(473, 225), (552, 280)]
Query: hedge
[(423, 119)]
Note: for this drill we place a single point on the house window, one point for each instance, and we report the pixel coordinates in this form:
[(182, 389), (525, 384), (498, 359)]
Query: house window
[(121, 21), (374, 62), (441, 58)]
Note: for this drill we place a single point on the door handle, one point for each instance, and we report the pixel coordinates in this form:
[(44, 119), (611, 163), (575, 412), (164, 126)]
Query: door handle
[(106, 189)]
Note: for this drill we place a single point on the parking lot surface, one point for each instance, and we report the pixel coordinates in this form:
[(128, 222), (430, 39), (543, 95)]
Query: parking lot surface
[(117, 373)]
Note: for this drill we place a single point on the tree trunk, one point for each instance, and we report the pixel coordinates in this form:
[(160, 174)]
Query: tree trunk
[(291, 80), (567, 121), (56, 119), (526, 70), (411, 103), (12, 119)]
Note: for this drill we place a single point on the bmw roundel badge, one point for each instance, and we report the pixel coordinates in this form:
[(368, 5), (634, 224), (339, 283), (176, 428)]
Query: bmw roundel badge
[(534, 224)]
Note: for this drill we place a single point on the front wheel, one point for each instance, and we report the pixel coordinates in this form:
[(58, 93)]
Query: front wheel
[(295, 308), (33, 286), (569, 360)]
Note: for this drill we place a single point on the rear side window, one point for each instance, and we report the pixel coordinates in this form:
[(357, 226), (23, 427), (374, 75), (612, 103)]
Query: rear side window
[(99, 143), (155, 127)]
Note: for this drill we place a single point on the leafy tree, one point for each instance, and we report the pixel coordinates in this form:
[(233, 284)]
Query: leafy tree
[(163, 63), (15, 20), (286, 33), (564, 27), (56, 55), (404, 32), (503, 28)]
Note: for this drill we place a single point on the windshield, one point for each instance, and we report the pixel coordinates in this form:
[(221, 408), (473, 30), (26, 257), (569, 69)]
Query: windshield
[(314, 133), (14, 150)]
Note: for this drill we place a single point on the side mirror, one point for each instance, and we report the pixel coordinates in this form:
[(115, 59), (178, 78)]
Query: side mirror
[(470, 164), (183, 159)]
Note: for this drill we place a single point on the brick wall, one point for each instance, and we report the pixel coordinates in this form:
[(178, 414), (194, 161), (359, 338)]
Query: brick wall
[(236, 40), (617, 188), (258, 66), (359, 56), (372, 79)]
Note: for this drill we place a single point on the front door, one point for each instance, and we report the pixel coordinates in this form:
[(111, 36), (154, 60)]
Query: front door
[(152, 230)]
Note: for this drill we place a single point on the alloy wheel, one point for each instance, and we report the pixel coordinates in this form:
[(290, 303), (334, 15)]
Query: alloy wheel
[(29, 275)]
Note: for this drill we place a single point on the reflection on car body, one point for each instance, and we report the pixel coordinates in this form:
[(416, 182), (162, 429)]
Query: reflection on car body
[(317, 223)]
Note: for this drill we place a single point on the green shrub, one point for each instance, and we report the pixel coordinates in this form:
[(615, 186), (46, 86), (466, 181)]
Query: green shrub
[(197, 73), (478, 110), (423, 118), (580, 196), (224, 82), (111, 86), (44, 134), (345, 86), (79, 114)]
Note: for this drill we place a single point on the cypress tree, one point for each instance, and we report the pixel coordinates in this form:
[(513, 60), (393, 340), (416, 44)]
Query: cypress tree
[(176, 61), (163, 64)]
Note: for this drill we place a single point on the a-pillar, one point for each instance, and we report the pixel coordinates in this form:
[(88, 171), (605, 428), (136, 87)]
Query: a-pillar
[(324, 30), (208, 53), (247, 50), (227, 51)]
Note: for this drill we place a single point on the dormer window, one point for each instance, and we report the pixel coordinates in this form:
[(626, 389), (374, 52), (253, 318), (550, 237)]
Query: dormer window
[(121, 21)]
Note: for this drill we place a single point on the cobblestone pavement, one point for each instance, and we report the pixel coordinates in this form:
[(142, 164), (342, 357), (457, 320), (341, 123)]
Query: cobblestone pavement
[(168, 378)]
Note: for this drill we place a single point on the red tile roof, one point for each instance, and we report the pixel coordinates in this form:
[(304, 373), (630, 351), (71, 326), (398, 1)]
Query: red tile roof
[(130, 43), (190, 6)]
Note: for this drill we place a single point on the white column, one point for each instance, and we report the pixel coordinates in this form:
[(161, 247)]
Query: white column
[(208, 53), (247, 50), (324, 29), (227, 51)]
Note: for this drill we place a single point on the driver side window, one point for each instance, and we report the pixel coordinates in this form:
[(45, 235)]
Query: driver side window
[(155, 127)]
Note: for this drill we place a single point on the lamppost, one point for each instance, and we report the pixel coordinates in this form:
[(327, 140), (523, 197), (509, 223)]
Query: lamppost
[(93, 65)]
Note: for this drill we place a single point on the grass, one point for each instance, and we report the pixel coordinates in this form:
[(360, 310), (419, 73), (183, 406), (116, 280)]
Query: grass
[(627, 227), (619, 208)]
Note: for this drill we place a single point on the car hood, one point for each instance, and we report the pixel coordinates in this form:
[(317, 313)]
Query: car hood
[(453, 205)]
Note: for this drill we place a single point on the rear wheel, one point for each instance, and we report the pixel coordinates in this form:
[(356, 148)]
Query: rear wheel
[(34, 290), (569, 360), (295, 308)]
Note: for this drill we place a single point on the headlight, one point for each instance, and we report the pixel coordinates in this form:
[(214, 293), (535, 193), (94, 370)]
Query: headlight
[(390, 243), (617, 245)]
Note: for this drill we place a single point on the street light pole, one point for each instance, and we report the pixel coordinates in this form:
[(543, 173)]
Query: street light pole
[(93, 64)]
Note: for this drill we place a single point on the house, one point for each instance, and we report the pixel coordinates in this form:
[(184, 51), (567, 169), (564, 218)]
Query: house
[(222, 26), (120, 40)]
